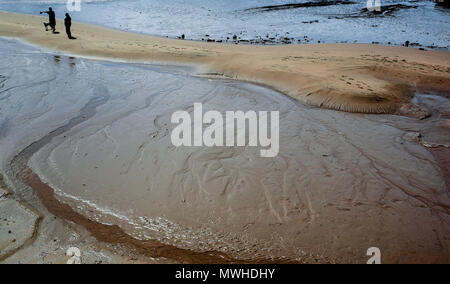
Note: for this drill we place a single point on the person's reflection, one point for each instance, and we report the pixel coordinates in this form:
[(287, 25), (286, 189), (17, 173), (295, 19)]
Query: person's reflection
[(72, 62), (57, 59)]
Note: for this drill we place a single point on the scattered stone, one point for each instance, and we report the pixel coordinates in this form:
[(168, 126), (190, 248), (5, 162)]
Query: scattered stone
[(413, 136), (310, 22)]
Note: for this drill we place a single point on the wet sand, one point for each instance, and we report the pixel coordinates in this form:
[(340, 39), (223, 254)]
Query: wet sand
[(102, 232), (349, 77), (342, 183)]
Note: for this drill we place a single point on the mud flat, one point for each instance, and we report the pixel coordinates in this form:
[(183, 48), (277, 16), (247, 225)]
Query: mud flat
[(96, 154), (28, 232)]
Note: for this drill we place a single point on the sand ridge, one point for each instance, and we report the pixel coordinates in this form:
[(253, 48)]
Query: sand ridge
[(348, 77)]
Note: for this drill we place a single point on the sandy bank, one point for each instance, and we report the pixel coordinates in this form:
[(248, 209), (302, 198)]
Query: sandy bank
[(356, 77)]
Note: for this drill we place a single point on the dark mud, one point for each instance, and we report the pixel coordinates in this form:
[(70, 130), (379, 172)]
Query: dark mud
[(299, 5), (382, 11)]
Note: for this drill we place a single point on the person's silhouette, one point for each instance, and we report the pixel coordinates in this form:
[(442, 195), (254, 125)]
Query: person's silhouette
[(68, 24), (51, 20)]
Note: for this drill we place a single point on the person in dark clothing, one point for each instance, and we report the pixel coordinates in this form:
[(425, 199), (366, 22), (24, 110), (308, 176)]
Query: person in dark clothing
[(51, 20), (68, 24)]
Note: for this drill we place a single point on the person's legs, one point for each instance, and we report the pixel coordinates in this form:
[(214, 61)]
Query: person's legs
[(69, 34), (46, 26)]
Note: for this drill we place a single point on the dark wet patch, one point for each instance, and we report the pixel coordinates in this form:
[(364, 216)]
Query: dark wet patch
[(2, 81), (386, 10), (299, 5), (443, 3)]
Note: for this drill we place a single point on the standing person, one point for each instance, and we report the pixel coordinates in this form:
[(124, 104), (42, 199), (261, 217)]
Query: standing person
[(51, 20), (68, 24)]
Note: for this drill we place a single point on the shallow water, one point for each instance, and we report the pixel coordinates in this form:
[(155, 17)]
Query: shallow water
[(342, 182), (425, 25)]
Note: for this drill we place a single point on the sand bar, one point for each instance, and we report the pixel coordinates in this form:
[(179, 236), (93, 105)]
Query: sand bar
[(348, 77)]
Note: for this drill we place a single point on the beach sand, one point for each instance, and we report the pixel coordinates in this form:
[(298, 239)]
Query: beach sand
[(349, 77), (342, 183)]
